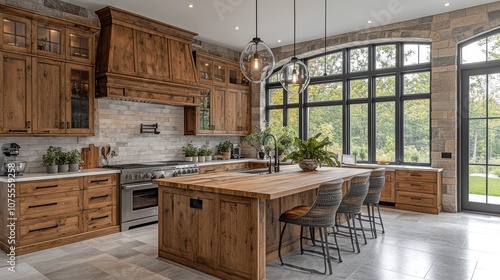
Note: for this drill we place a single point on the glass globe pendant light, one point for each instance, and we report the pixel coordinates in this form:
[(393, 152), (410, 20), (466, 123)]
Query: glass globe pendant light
[(256, 59), (294, 76)]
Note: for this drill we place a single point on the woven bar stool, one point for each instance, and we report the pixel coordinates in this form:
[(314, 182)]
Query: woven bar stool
[(377, 181), (320, 215), (351, 206)]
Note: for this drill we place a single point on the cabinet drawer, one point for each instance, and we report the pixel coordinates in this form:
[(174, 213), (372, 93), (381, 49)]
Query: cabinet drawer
[(48, 186), (99, 197), (425, 176), (389, 176), (234, 165), (99, 181), (49, 205), (419, 187), (255, 165), (33, 231), (100, 218), (417, 199), (211, 169)]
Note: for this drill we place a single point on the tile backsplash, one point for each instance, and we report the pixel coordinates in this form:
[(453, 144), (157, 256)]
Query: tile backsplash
[(117, 124)]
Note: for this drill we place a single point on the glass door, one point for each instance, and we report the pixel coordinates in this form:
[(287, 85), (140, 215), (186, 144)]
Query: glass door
[(480, 140)]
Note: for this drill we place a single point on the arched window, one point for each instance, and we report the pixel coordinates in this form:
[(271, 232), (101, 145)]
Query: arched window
[(372, 101)]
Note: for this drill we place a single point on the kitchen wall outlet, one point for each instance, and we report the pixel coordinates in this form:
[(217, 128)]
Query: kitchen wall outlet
[(445, 155)]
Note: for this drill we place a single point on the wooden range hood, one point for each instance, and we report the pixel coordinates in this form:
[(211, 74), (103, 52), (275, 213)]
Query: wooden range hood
[(144, 60)]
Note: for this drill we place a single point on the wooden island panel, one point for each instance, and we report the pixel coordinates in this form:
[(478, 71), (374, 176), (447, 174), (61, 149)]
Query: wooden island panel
[(226, 224)]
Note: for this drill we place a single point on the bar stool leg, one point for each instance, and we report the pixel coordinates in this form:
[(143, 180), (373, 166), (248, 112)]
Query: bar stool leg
[(368, 205), (373, 220), (301, 234), (355, 233), (380, 218), (327, 251), (311, 234), (337, 245), (361, 225), (279, 247), (350, 231)]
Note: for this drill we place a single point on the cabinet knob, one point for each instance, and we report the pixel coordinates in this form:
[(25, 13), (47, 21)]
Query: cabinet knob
[(28, 124), (62, 125)]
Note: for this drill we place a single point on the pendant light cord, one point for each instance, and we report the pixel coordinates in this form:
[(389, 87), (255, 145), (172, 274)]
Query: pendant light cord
[(294, 27), (325, 34), (256, 19)]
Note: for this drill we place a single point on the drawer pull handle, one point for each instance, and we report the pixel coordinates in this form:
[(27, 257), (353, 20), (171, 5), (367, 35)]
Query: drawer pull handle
[(415, 198), (43, 205), (46, 187), (18, 130), (209, 170), (415, 174), (415, 185), (45, 228), (101, 196), (99, 181), (99, 218)]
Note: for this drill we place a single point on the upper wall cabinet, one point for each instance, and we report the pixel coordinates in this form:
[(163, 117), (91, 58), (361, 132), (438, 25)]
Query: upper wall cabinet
[(225, 105), (47, 75), (145, 60)]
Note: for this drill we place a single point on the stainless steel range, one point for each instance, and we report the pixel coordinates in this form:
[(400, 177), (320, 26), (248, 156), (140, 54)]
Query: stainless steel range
[(139, 196)]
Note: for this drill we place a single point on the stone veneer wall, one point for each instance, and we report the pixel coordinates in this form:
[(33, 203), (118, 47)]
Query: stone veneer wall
[(117, 123), (445, 31)]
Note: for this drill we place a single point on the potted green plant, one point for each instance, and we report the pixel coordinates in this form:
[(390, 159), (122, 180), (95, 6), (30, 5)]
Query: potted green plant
[(73, 160), (256, 139), (49, 160), (189, 152), (225, 149), (312, 153), (62, 160), (208, 156), (202, 152)]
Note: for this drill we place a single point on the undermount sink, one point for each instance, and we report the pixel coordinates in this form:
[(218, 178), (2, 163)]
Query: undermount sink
[(251, 171)]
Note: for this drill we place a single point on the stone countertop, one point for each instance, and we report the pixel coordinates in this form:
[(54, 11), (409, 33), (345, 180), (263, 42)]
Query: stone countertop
[(393, 167), (290, 180), (46, 176)]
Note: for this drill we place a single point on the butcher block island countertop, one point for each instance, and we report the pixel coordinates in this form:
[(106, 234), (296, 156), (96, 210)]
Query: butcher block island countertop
[(226, 224)]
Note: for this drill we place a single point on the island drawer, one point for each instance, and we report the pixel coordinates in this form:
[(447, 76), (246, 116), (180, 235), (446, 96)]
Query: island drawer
[(99, 197), (234, 166), (211, 169), (34, 231), (48, 205), (419, 187), (100, 218), (99, 181), (417, 199), (409, 175), (48, 186)]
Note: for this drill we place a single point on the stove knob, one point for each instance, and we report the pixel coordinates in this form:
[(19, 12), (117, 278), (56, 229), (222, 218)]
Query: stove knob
[(138, 176), (196, 170), (162, 175), (184, 171), (148, 176), (188, 170), (174, 173), (128, 177), (153, 176)]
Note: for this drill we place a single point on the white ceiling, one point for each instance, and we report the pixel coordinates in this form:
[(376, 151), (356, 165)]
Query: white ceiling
[(214, 20)]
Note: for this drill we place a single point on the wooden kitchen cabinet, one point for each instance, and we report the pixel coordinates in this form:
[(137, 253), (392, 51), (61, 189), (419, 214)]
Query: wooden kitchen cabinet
[(419, 191), (15, 94), (389, 191), (60, 211), (47, 79), (228, 98)]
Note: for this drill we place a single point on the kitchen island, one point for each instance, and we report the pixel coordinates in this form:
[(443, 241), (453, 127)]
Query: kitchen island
[(226, 224)]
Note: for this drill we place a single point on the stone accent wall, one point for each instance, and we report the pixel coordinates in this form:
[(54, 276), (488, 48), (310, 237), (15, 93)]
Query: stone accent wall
[(445, 31)]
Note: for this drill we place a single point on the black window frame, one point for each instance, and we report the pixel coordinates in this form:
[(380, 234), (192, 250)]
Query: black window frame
[(399, 98)]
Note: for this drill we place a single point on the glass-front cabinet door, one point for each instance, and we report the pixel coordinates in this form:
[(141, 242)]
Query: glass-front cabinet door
[(204, 112), (205, 69), (234, 78), (219, 73), (16, 33), (49, 40), (78, 46), (80, 105)]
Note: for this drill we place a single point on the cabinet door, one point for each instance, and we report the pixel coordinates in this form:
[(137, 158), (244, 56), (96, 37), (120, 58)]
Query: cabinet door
[(217, 110), (153, 51), (49, 40), (79, 46), (244, 113), (16, 33), (48, 97), (204, 114), (181, 63), (205, 68), (388, 192), (15, 94), (220, 73), (123, 56), (233, 99), (234, 75), (79, 118)]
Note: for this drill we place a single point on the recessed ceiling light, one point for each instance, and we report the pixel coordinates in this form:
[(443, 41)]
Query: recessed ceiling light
[(447, 4), (237, 27), (369, 21), (279, 41), (190, 6)]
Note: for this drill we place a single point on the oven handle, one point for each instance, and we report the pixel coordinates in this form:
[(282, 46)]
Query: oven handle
[(139, 186)]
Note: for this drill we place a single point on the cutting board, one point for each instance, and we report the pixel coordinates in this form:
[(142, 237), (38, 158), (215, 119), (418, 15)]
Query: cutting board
[(90, 156)]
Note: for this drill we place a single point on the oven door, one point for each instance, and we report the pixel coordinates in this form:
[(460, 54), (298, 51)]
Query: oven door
[(139, 200)]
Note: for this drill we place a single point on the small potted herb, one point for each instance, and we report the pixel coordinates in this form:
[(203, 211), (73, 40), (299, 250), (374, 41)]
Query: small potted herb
[(62, 160), (208, 154), (202, 153), (225, 149), (189, 152), (49, 160), (73, 160)]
